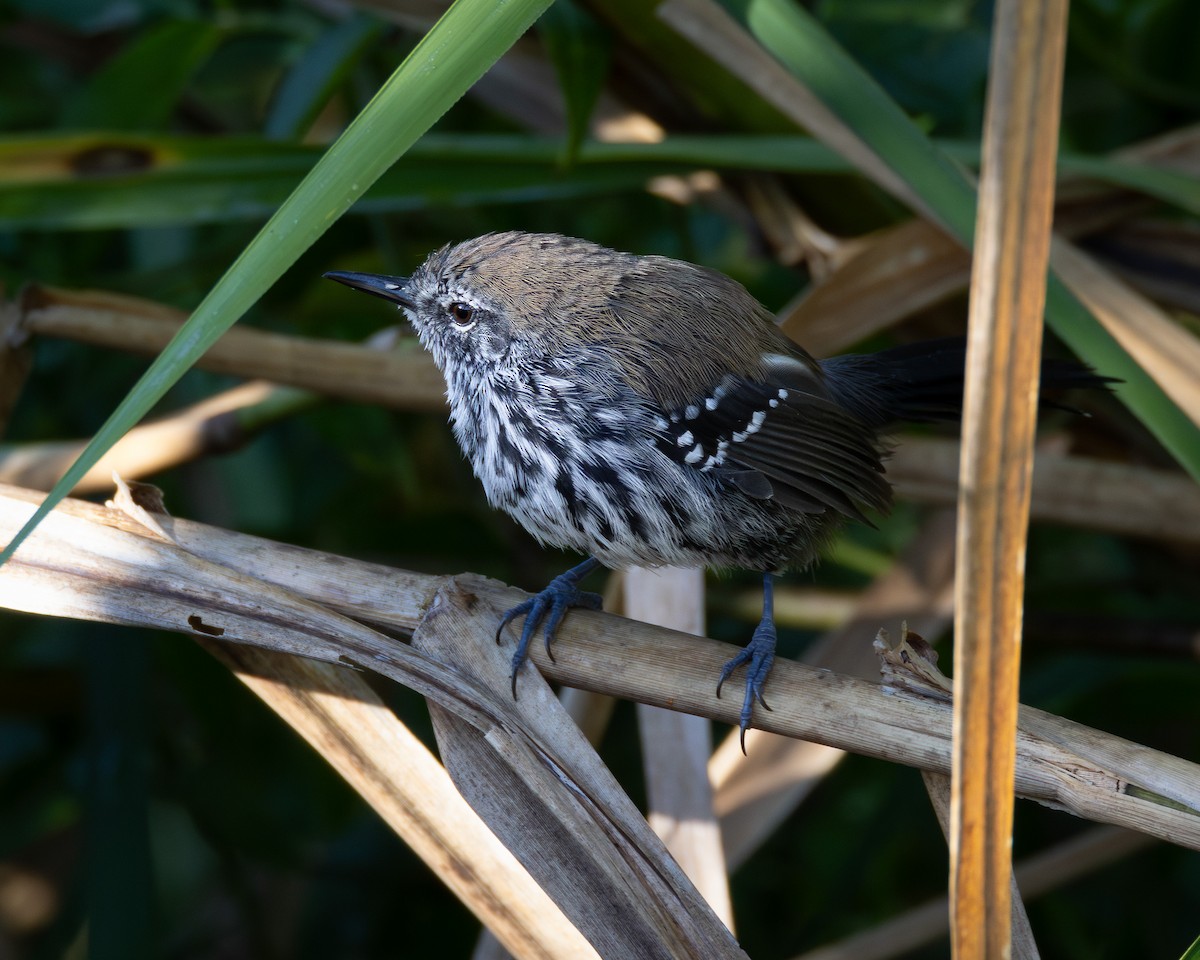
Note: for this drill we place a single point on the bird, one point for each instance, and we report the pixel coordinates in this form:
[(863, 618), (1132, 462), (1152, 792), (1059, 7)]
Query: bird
[(646, 411)]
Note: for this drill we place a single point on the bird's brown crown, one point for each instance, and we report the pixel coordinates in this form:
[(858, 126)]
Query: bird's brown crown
[(672, 327)]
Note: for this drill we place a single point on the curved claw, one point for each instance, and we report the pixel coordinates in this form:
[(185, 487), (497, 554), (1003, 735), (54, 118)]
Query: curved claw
[(759, 654), (521, 608), (548, 608)]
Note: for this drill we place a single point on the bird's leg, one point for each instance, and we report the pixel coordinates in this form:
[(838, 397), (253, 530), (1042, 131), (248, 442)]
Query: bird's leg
[(549, 607), (759, 653)]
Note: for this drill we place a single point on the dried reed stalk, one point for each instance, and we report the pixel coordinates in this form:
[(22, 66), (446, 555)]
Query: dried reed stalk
[(216, 425), (1008, 294), (94, 563), (1077, 491), (675, 746), (344, 720), (401, 377)]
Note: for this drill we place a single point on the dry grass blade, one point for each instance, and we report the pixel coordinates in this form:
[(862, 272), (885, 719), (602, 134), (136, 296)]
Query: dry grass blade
[(557, 806), (898, 272), (707, 25), (344, 720), (1079, 491), (901, 270), (402, 377), (1162, 347), (1008, 293), (93, 563), (675, 746)]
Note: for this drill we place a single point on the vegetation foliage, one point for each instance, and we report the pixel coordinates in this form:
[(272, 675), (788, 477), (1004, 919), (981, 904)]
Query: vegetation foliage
[(149, 806)]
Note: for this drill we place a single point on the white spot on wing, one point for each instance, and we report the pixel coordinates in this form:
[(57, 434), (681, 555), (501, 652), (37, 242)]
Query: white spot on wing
[(752, 427)]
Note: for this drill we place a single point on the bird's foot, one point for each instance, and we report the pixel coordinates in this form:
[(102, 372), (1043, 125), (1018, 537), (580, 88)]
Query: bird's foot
[(759, 654), (547, 609)]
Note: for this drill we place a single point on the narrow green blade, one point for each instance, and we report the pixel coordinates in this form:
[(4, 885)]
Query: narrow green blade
[(469, 38), (802, 45), (74, 181)]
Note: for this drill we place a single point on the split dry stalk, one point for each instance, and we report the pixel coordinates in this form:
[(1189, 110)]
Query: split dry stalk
[(344, 720), (95, 563), (593, 854)]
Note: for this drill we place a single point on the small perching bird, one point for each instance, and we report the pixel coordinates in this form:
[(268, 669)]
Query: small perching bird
[(647, 411)]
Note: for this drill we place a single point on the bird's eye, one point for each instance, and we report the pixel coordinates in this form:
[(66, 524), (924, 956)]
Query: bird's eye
[(461, 313)]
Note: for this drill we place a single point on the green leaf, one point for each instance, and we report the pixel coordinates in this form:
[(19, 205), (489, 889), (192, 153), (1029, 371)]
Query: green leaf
[(579, 49), (139, 88), (83, 182), (468, 39), (324, 67), (802, 45), (93, 181)]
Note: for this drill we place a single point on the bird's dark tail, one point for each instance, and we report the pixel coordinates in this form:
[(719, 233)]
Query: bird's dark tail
[(924, 381)]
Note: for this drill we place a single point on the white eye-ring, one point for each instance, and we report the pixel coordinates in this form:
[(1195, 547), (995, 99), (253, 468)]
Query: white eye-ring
[(461, 314)]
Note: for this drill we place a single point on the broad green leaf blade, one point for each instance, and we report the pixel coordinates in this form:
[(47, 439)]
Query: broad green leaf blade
[(468, 39), (1192, 952), (1170, 186), (160, 180), (802, 45), (106, 180)]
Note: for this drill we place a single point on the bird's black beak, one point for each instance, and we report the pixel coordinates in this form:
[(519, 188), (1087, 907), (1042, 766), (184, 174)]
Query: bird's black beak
[(377, 285)]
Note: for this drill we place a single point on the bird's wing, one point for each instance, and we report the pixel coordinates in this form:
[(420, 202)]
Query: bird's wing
[(780, 437)]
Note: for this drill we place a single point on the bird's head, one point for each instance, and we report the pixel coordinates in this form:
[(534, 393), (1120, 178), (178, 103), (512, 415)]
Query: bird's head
[(502, 297), (503, 301)]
